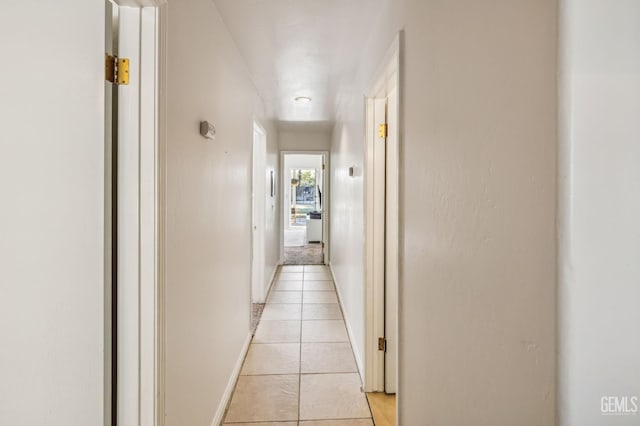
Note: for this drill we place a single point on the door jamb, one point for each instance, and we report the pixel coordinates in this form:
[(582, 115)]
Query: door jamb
[(326, 219), (386, 79), (261, 292), (150, 258)]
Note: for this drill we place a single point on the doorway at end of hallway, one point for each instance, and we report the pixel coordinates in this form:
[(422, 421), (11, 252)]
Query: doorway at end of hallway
[(304, 207)]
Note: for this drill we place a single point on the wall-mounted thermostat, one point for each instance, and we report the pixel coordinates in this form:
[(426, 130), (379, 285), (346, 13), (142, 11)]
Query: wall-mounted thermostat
[(207, 130)]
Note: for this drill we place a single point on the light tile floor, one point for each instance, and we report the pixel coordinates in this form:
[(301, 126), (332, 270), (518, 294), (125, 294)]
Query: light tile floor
[(300, 369)]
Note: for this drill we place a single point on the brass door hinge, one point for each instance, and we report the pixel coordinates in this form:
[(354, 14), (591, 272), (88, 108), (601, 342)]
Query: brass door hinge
[(382, 130), (382, 344), (117, 70)]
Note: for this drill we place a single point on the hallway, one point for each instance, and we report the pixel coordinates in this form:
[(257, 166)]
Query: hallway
[(131, 254), (300, 367)]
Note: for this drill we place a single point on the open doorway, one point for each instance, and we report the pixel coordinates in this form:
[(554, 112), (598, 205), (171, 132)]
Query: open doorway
[(258, 223), (304, 199)]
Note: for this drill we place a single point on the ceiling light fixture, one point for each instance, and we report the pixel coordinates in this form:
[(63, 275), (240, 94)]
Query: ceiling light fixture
[(303, 99)]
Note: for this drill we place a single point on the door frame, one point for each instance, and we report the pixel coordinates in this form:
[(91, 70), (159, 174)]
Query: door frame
[(141, 219), (387, 79), (326, 220), (258, 277)]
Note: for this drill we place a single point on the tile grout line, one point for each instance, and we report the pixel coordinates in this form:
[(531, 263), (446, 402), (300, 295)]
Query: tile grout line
[(300, 374), (300, 353)]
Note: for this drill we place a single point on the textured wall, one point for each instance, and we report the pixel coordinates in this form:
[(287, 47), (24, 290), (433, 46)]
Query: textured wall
[(478, 208)]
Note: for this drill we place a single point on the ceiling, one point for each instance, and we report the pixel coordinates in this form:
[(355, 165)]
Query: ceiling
[(300, 48)]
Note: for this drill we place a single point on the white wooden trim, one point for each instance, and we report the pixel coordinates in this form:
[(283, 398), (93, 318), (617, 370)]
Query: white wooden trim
[(372, 365), (231, 384), (326, 208), (386, 80), (272, 280), (258, 213), (142, 142), (128, 333), (108, 223), (161, 98), (148, 213), (270, 287), (375, 177)]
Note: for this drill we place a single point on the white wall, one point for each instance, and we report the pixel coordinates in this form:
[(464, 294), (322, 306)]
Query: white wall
[(51, 218), (304, 136), (600, 209), (347, 224), (208, 210), (478, 206), (302, 161)]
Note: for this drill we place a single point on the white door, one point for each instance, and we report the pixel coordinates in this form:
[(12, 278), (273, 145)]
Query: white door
[(258, 214)]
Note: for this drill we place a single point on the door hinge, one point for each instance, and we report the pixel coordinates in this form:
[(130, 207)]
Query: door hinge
[(323, 167), (382, 130), (382, 344), (117, 70), (323, 245)]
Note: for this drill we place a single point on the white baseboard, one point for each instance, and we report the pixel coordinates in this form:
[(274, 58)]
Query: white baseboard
[(228, 392), (271, 281), (356, 353)]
